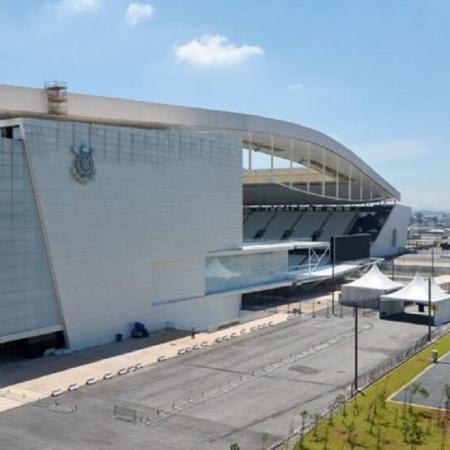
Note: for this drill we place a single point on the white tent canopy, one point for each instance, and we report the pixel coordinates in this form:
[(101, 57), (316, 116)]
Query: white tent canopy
[(417, 291), (375, 279), (366, 291)]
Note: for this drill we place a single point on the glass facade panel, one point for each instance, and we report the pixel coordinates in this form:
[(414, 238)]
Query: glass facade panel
[(225, 273), (27, 298)]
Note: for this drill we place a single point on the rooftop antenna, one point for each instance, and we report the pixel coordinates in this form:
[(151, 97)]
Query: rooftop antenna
[(56, 97)]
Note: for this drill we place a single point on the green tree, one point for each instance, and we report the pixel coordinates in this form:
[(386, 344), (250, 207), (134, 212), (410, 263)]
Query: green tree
[(416, 389), (351, 435), (341, 403), (446, 419), (264, 440), (316, 427), (446, 392), (304, 415), (413, 433), (326, 436)]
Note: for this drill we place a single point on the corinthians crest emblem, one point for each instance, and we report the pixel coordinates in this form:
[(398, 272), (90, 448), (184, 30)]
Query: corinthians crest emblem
[(83, 168)]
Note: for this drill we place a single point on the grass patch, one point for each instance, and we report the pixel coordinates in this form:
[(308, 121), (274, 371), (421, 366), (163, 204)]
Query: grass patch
[(371, 422)]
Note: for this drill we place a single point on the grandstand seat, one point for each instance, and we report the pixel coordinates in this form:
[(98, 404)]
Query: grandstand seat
[(337, 224), (282, 222), (308, 224), (256, 222)]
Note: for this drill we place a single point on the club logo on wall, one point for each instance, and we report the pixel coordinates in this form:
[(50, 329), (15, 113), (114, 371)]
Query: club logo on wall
[(83, 167)]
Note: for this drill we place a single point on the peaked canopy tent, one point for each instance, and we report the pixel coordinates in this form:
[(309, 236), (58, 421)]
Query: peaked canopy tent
[(367, 290), (417, 292)]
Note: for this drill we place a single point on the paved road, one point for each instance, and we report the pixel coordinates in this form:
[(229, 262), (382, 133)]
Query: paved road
[(232, 392)]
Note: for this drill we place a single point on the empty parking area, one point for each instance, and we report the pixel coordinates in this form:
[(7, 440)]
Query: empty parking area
[(231, 392), (433, 379)]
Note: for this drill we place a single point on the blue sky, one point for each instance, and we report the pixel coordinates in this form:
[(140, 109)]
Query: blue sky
[(373, 74)]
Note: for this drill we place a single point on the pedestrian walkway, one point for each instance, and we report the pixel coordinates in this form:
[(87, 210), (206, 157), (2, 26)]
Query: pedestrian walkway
[(70, 371), (78, 373)]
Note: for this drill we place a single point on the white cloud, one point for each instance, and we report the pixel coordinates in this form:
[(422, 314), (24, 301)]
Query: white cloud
[(78, 6), (295, 87), (138, 12), (215, 50)]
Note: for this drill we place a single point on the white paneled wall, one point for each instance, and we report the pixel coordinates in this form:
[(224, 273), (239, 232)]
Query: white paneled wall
[(392, 237), (199, 313), (178, 279), (27, 298), (158, 197)]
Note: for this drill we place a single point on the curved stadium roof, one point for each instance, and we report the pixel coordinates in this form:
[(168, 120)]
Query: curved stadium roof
[(344, 177)]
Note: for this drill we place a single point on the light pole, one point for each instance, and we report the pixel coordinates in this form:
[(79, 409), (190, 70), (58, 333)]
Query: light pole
[(432, 262), (333, 259), (429, 309), (356, 347), (393, 269)]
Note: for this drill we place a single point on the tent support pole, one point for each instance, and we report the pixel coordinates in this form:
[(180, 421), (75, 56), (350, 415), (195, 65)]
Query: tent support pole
[(429, 309)]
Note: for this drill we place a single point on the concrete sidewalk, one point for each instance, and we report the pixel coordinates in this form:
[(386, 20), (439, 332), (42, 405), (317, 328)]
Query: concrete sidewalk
[(40, 387), (72, 370)]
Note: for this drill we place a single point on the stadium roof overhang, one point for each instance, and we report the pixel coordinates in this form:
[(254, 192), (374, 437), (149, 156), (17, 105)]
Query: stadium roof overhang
[(344, 177)]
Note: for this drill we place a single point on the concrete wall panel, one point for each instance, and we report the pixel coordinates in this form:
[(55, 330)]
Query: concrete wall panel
[(157, 195), (27, 298)]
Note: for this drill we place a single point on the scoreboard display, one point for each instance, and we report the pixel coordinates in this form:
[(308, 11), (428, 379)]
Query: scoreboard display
[(350, 247)]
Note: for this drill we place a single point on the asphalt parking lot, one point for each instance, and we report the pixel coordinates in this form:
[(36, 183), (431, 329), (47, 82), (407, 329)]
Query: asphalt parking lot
[(433, 380), (209, 399)]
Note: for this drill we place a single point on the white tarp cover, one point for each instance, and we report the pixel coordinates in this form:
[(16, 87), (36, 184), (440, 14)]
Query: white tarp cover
[(366, 291), (375, 279), (417, 292)]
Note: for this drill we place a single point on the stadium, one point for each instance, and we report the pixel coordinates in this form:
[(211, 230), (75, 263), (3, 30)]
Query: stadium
[(115, 211)]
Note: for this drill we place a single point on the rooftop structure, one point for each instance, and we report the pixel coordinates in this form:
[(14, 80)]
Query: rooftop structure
[(353, 180)]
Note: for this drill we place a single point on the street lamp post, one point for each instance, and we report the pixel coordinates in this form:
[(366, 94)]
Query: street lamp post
[(432, 262), (429, 309), (356, 347), (333, 259)]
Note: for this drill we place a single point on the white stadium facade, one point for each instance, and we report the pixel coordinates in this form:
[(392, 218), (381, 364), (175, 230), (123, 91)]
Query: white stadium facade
[(116, 211)]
